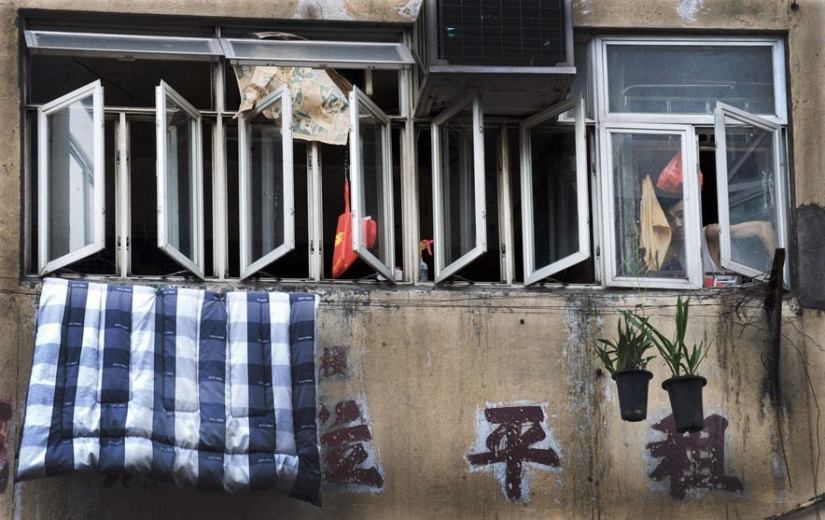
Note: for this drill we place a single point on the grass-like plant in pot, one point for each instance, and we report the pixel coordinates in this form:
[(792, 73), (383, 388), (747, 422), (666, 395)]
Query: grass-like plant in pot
[(625, 357), (685, 387)]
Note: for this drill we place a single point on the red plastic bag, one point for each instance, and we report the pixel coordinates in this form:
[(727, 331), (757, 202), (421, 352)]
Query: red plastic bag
[(342, 255), (670, 178)]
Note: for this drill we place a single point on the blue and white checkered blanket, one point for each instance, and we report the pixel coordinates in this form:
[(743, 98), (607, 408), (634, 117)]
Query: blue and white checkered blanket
[(207, 390)]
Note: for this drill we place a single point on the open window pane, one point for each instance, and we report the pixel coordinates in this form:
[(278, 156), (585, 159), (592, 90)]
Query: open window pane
[(71, 178), (303, 53), (266, 185), (122, 45), (372, 207), (750, 186), (180, 180), (554, 191), (655, 204), (458, 188)]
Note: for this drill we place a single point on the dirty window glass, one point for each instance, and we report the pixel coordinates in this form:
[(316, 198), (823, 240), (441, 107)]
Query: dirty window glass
[(690, 79)]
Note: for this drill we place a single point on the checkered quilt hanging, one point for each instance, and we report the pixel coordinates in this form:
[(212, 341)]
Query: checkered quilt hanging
[(210, 391)]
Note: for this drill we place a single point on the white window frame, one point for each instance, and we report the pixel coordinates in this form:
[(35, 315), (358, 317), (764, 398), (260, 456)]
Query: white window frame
[(692, 240), (358, 101), (248, 265), (601, 77), (721, 113), (606, 121), (124, 46), (95, 91), (532, 272), (442, 269), (166, 204)]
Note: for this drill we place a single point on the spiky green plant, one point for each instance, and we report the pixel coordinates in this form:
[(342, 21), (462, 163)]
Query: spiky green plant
[(628, 348), (679, 358)]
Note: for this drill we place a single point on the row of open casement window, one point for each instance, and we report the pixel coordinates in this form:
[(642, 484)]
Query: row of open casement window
[(128, 184)]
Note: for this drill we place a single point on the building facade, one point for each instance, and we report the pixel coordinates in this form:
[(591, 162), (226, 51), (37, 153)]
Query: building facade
[(494, 161)]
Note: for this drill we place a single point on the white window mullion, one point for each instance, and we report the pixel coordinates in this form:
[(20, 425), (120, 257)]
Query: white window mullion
[(123, 195), (315, 203), (410, 235), (219, 200), (505, 210)]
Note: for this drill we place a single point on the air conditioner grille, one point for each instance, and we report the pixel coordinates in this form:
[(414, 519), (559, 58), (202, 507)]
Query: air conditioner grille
[(525, 33)]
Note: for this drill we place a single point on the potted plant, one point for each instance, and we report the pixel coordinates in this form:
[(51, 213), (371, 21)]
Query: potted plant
[(624, 357), (685, 387)]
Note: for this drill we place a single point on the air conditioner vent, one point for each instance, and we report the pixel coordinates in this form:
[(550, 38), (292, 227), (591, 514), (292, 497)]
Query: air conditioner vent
[(518, 33)]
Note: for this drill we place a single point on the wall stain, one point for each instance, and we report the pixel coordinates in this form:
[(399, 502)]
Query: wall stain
[(5, 417), (810, 256)]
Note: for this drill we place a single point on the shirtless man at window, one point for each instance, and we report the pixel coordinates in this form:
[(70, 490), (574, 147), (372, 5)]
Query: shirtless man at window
[(711, 261)]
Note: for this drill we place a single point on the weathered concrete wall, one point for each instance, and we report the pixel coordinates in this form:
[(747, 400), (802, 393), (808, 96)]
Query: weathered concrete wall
[(419, 367)]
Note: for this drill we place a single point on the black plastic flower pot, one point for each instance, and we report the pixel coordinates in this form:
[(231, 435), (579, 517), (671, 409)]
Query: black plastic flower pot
[(632, 385), (686, 401)]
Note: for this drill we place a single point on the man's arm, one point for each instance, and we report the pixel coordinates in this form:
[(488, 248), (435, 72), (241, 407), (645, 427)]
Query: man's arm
[(761, 229)]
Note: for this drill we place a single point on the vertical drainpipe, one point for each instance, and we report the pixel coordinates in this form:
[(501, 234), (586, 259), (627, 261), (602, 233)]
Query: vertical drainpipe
[(773, 310)]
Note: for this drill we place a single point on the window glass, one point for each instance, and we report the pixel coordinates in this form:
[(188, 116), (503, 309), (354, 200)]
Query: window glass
[(751, 192), (180, 180), (372, 185), (71, 177), (180, 187), (554, 192), (267, 224), (649, 229), (459, 187), (266, 193), (690, 79)]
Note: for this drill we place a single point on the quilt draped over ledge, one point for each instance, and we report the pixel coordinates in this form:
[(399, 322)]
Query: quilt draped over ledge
[(211, 391)]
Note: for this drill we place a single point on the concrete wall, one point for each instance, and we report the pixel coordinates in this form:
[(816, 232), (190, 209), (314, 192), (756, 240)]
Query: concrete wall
[(419, 367)]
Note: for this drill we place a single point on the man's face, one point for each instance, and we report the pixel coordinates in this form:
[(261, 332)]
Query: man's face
[(676, 219)]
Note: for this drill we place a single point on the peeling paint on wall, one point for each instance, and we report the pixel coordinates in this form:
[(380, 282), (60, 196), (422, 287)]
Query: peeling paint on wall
[(510, 442), (686, 9), (372, 10), (692, 461)]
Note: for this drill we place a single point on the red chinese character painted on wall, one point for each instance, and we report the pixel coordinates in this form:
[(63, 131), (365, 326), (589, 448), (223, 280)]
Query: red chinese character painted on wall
[(511, 444), (334, 363), (693, 460), (347, 447)]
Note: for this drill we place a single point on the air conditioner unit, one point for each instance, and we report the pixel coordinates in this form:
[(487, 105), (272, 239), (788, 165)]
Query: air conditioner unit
[(506, 49)]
